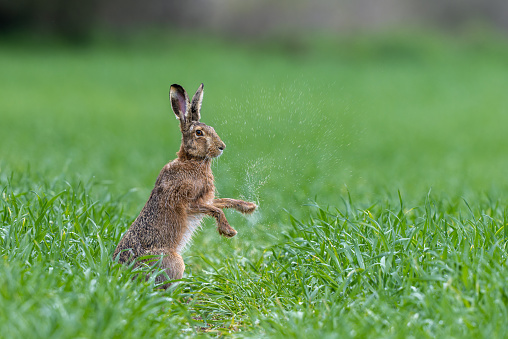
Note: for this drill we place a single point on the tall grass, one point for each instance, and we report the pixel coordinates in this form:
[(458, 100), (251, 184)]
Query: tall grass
[(434, 269), (58, 279)]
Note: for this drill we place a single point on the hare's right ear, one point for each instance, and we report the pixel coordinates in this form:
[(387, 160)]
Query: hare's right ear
[(179, 101)]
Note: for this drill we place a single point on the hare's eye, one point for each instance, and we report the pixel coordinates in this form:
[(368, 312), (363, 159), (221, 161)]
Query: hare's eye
[(199, 133)]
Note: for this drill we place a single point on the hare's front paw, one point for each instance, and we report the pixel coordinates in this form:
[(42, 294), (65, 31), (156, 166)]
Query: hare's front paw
[(226, 230), (248, 207)]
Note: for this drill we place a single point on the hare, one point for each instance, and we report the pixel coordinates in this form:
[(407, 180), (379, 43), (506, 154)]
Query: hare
[(183, 194)]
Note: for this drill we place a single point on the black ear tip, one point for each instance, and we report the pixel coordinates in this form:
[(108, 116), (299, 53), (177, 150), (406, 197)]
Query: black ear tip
[(176, 88)]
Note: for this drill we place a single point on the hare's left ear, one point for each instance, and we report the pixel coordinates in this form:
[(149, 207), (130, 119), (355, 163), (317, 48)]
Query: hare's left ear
[(196, 104), (179, 102)]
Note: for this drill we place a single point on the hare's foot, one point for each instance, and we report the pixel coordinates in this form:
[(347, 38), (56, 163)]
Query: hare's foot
[(226, 230), (215, 211), (247, 207)]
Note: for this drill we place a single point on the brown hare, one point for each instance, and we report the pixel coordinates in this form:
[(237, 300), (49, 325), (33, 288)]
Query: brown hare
[(183, 194)]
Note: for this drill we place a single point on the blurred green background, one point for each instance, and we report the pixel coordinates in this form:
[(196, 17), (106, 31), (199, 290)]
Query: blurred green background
[(313, 101), (347, 103)]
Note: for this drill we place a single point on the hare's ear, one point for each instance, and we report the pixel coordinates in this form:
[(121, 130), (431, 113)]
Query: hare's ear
[(179, 101), (196, 104)]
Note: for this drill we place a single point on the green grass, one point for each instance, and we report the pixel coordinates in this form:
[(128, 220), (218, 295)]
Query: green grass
[(399, 139)]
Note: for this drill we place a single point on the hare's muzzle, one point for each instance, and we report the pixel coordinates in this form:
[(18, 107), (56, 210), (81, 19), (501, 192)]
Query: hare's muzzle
[(219, 148)]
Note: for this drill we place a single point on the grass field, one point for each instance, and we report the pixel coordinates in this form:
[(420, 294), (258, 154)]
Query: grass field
[(378, 162)]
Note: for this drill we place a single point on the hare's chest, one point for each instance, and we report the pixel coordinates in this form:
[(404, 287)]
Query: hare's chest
[(205, 194)]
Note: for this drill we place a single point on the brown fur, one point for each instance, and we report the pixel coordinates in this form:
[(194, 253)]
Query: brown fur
[(184, 192)]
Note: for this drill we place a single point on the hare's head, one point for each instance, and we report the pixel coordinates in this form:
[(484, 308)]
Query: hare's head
[(198, 140)]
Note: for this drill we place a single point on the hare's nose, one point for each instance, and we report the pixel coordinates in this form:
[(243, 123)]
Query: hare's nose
[(221, 147)]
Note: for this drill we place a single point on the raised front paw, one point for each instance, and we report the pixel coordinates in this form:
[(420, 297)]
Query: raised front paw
[(226, 231), (248, 207)]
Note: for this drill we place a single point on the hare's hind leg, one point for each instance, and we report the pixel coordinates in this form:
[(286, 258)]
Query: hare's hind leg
[(171, 262)]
